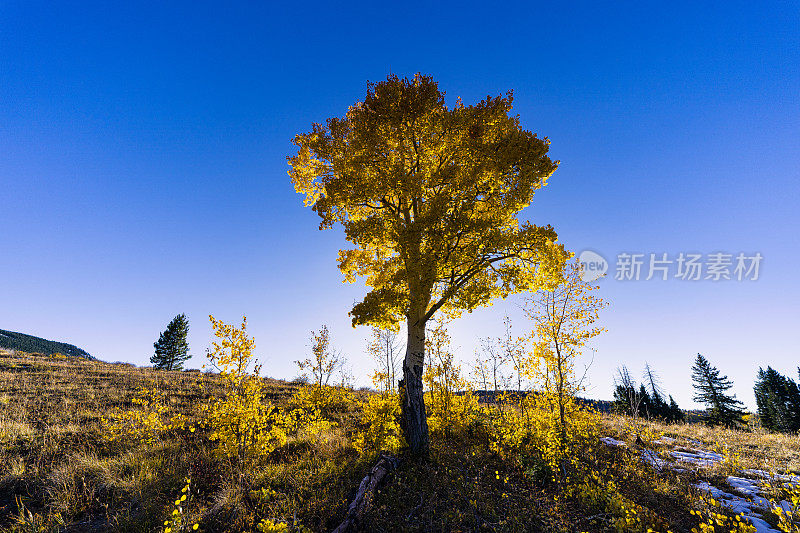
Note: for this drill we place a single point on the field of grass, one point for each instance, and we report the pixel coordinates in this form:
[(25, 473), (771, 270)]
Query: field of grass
[(59, 473)]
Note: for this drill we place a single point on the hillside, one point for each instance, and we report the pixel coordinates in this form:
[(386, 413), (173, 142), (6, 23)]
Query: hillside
[(61, 469), (11, 340)]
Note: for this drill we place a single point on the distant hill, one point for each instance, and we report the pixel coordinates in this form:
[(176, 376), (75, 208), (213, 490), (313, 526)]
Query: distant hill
[(490, 396), (11, 340)]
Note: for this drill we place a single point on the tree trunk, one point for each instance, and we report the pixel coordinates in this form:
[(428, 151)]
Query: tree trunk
[(366, 492), (415, 420)]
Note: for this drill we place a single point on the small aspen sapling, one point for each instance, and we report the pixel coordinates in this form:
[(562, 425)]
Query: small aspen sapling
[(243, 423), (324, 360), (384, 348)]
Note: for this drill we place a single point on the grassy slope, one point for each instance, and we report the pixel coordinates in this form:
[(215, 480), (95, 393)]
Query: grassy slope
[(53, 462)]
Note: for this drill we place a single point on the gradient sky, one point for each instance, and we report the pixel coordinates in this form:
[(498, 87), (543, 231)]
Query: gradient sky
[(143, 170)]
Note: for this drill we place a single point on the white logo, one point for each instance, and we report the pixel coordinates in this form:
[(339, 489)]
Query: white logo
[(593, 265)]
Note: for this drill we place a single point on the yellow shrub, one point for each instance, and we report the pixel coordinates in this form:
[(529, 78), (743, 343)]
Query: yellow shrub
[(452, 406), (271, 526), (534, 426), (243, 423), (625, 515), (328, 401), (785, 503), (712, 521), (176, 520), (268, 526), (380, 415), (147, 421)]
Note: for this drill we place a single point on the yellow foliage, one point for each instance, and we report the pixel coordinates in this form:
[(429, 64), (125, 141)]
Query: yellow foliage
[(429, 196), (379, 418), (598, 493), (534, 426), (147, 421), (243, 423), (310, 410), (452, 405), (175, 522), (563, 324), (712, 521), (268, 526), (327, 400), (785, 502), (550, 421)]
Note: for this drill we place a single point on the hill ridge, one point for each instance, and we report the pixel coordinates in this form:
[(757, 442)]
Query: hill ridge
[(13, 340)]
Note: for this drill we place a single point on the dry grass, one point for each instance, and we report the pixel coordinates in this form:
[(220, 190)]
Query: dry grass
[(55, 466), (752, 448), (54, 463)]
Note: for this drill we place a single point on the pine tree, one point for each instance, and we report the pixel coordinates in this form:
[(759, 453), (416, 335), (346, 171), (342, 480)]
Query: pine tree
[(647, 401), (675, 412), (646, 407), (656, 405), (710, 389), (778, 401), (172, 348)]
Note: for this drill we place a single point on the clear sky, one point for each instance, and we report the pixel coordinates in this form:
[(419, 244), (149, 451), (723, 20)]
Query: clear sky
[(143, 170)]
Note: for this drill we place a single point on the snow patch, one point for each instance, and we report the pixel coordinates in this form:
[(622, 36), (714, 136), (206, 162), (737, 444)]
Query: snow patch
[(649, 456), (744, 486), (666, 441), (698, 457), (611, 441), (767, 475), (739, 505)]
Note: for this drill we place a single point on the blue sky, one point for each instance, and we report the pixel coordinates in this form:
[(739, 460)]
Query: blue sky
[(143, 171)]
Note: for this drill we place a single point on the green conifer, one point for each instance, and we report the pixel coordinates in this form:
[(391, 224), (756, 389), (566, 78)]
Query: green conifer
[(710, 389), (778, 401), (172, 348)]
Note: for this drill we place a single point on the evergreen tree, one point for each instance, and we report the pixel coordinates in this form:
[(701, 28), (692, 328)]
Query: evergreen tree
[(778, 401), (172, 348), (675, 412), (646, 399), (646, 406), (656, 404), (710, 389)]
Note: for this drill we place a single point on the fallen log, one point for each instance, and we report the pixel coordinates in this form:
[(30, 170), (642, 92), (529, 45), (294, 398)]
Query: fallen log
[(365, 493)]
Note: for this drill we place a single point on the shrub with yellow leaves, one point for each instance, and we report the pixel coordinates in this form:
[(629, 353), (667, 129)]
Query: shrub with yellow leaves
[(321, 402), (270, 526), (452, 406), (147, 421), (784, 501), (551, 419), (713, 521), (625, 515), (380, 421), (243, 423), (176, 520), (533, 427)]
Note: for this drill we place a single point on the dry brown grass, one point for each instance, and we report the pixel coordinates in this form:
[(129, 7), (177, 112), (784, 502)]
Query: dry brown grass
[(54, 463)]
